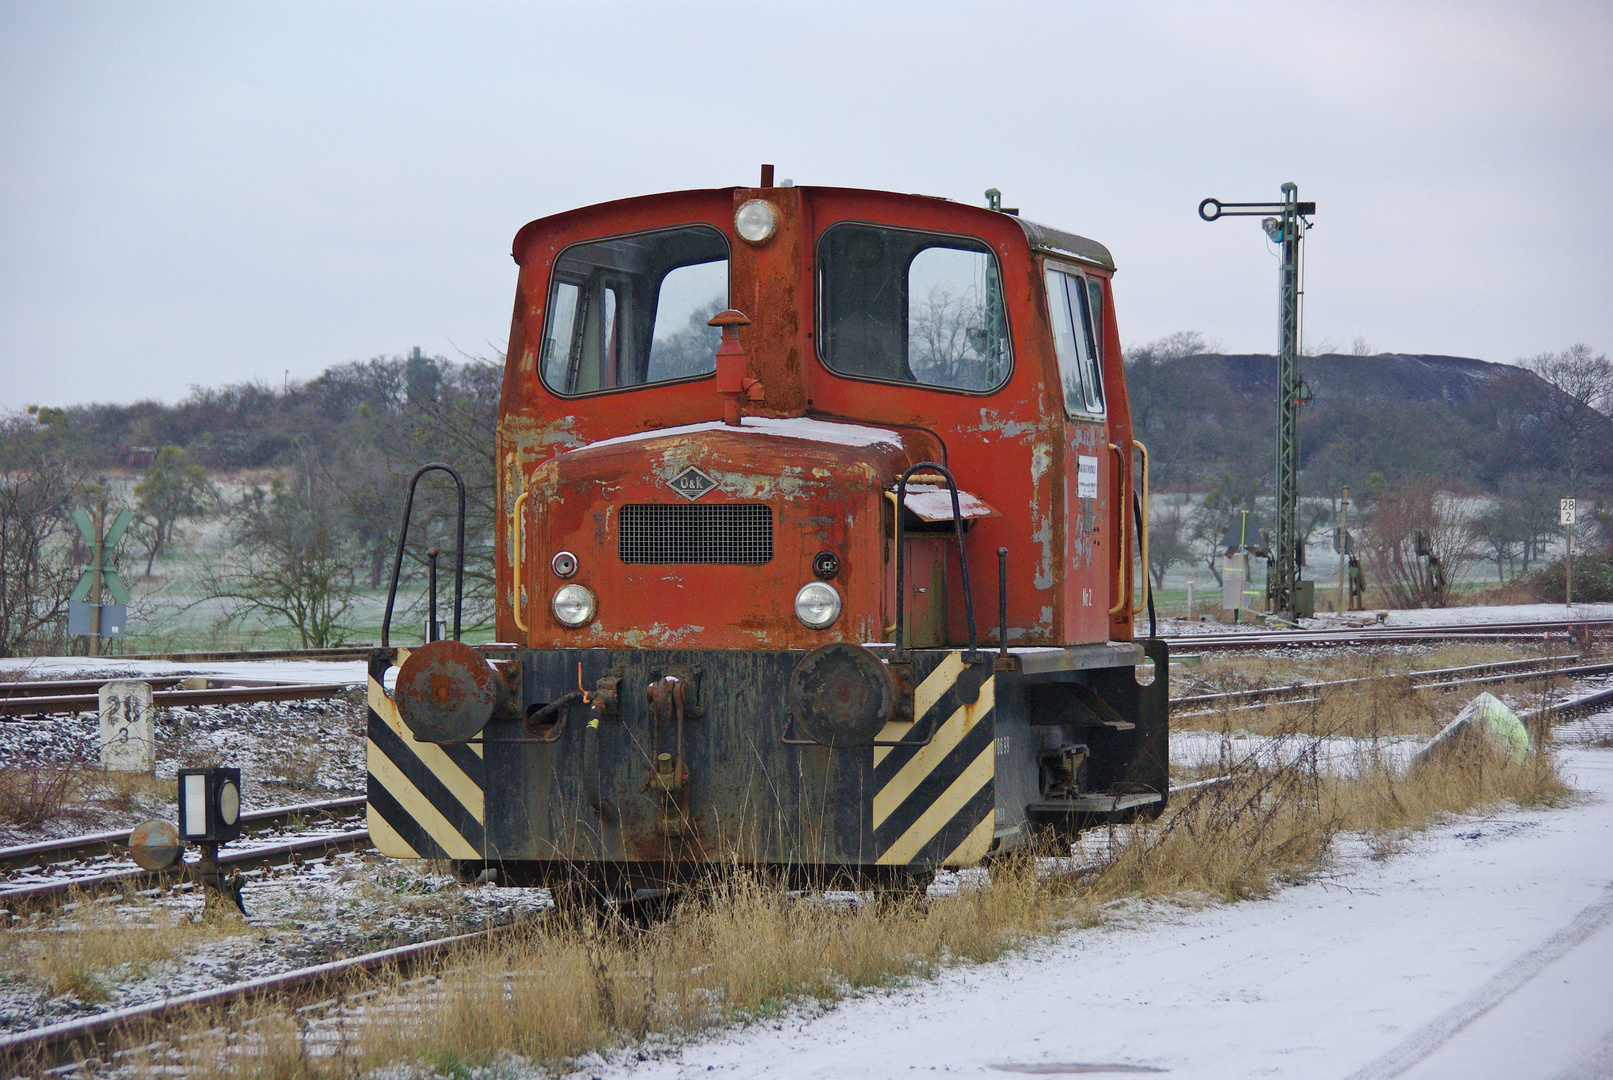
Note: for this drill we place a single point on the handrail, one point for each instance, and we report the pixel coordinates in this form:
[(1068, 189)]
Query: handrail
[(963, 554), (1123, 562), (1140, 512), (403, 539), (1142, 522), (515, 561)]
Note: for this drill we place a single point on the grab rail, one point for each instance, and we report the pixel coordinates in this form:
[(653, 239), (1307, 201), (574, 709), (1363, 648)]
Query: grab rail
[(1123, 562), (403, 539), (963, 553), (515, 561)]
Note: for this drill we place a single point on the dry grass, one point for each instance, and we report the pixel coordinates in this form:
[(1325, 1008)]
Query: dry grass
[(32, 795), (86, 949), (129, 792), (1234, 671), (1387, 705), (744, 949)]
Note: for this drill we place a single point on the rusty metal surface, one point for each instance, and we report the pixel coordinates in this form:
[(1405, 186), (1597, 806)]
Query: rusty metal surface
[(842, 695), (447, 692), (1014, 447), (155, 845)]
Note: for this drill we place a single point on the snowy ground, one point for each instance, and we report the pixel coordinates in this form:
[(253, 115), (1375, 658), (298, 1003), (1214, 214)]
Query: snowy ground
[(350, 672), (1451, 616), (1485, 949)]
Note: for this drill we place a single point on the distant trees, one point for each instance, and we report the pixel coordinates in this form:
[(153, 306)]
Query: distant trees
[(174, 487), (36, 567), (1575, 416), (1411, 521), (290, 560), (1168, 542)]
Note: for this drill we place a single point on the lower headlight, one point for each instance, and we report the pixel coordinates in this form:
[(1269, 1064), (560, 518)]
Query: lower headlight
[(573, 605), (817, 604)]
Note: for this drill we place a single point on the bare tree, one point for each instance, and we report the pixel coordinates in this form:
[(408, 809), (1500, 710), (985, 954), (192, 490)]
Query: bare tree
[(1168, 544), (289, 561), (174, 487), (36, 567), (1574, 410), (944, 338), (1409, 520)]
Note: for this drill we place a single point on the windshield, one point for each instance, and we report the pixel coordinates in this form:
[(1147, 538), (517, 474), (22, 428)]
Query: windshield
[(632, 310), (915, 307)]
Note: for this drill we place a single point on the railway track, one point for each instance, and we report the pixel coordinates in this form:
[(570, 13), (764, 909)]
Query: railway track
[(104, 864), (1533, 630), (1436, 678), (48, 696), (95, 1036), (86, 1037), (1537, 631)]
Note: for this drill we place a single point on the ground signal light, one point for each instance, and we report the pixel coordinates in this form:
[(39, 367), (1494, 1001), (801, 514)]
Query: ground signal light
[(210, 804)]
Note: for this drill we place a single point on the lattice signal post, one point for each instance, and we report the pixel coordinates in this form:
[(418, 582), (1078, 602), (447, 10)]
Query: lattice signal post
[(1285, 225)]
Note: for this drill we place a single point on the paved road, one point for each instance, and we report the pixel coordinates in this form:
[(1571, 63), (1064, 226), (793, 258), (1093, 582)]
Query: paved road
[(1485, 950)]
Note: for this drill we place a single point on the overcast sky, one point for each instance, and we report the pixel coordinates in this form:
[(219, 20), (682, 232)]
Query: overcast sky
[(211, 193)]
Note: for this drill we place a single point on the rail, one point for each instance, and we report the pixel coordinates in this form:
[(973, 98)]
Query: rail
[(314, 847), (1431, 679), (115, 843), (36, 702), (77, 1039)]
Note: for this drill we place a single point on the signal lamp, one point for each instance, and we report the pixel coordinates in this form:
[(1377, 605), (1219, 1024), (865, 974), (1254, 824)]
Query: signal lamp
[(210, 804), (564, 564), (817, 604), (573, 605), (756, 222)]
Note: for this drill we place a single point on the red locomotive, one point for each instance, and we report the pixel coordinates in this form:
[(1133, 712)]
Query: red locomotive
[(823, 513)]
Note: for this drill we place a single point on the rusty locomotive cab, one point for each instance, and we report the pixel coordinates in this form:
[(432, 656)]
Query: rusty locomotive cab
[(821, 519)]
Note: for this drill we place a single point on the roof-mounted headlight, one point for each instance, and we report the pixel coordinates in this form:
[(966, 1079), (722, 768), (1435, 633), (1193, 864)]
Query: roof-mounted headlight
[(756, 221)]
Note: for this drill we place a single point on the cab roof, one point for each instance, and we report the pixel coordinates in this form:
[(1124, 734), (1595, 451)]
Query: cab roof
[(1042, 238)]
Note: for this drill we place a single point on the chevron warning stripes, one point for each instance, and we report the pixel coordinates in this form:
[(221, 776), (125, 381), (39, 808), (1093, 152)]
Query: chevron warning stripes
[(934, 801), (425, 801)]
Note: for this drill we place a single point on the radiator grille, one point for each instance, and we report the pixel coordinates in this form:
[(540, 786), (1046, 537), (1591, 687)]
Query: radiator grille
[(675, 533)]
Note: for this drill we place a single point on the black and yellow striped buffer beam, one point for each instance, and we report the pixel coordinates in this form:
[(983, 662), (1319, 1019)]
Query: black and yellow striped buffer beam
[(425, 801), (935, 802)]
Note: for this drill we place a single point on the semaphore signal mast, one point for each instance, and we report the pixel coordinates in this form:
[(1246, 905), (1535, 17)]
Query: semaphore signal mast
[(1285, 225)]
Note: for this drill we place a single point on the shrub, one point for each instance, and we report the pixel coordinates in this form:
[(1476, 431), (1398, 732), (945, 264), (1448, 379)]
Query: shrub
[(1593, 580)]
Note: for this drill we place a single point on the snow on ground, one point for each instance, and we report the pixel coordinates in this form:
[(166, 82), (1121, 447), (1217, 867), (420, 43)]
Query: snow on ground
[(1485, 949), (1450, 616), (1501, 613), (349, 672), (1335, 754)]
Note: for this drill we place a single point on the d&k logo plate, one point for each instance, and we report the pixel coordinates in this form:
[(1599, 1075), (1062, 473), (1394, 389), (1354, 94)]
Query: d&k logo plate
[(691, 483)]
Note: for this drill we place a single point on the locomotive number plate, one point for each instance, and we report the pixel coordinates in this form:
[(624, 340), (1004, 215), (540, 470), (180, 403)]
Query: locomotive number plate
[(691, 483)]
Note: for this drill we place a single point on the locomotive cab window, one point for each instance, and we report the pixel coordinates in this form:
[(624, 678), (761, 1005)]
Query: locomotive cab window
[(1074, 309), (632, 310), (914, 307)]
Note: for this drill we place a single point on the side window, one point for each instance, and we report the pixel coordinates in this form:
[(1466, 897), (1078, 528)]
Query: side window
[(632, 310), (915, 307), (1071, 307)]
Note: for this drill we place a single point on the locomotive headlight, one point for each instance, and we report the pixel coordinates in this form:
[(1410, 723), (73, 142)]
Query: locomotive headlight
[(817, 604), (573, 605), (756, 222)]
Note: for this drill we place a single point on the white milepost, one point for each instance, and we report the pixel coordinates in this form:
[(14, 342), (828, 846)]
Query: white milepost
[(126, 737), (1565, 518)]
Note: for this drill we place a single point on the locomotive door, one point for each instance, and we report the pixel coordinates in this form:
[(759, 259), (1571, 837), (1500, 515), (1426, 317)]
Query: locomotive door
[(1075, 306)]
